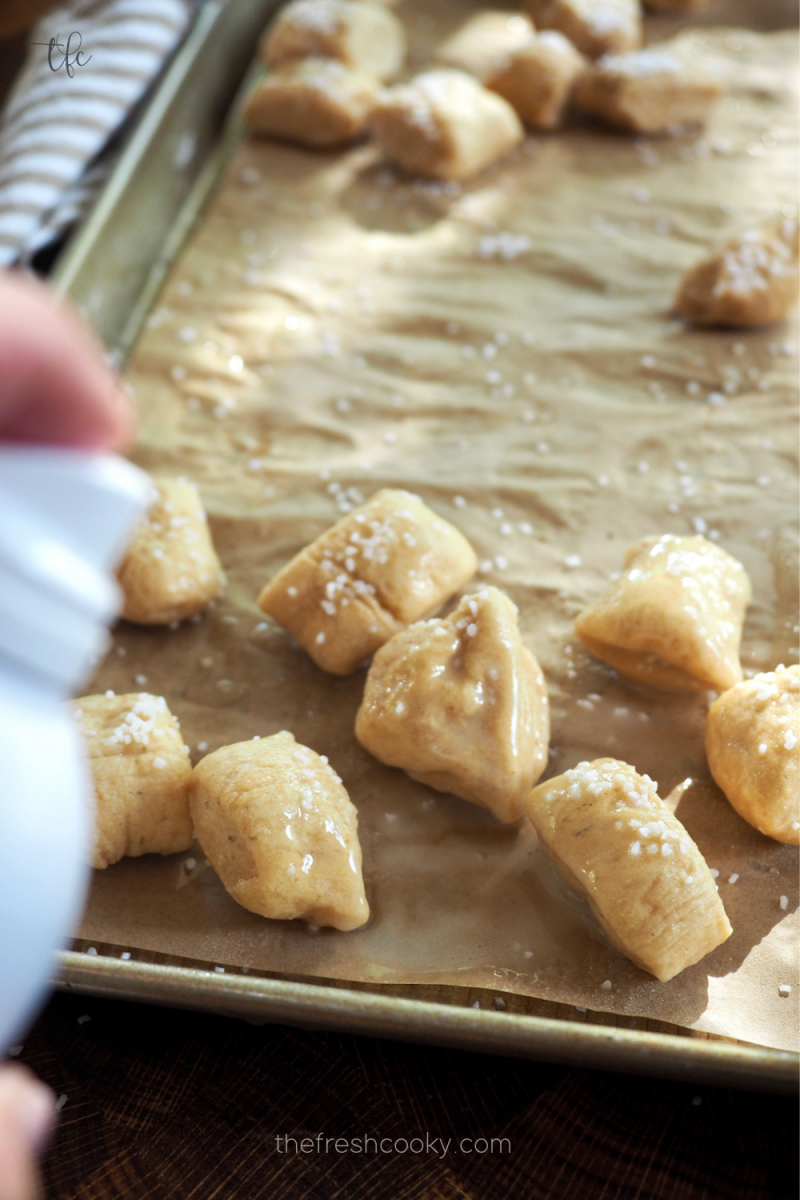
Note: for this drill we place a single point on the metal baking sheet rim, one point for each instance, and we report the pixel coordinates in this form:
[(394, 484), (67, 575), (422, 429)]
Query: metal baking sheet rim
[(316, 1006), (190, 103)]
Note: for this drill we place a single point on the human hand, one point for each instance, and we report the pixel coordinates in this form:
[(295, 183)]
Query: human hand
[(55, 387), (27, 1115)]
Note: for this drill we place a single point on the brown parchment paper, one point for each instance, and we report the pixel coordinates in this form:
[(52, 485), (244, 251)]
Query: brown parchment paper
[(507, 351)]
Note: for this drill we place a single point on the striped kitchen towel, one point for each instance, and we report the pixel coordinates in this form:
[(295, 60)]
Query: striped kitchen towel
[(70, 97)]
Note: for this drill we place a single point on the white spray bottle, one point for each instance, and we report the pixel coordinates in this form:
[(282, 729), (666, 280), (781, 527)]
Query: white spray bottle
[(65, 518)]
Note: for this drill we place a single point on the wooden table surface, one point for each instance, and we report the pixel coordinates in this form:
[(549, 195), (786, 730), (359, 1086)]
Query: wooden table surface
[(166, 1104)]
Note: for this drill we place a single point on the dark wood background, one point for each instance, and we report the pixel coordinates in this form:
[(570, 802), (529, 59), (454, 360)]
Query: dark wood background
[(172, 1105)]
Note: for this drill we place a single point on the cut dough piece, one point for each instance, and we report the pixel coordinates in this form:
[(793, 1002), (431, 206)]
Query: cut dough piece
[(537, 80), (647, 91), (171, 570), (674, 618), (365, 37), (595, 26), (753, 281), (384, 565), (485, 41), (278, 827), (616, 842), (445, 124), (317, 102), (141, 772), (461, 705), (753, 747)]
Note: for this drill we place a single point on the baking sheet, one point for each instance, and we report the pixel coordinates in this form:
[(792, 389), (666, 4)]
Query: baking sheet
[(330, 324)]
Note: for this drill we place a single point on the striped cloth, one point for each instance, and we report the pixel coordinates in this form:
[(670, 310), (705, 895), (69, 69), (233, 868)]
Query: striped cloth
[(55, 125)]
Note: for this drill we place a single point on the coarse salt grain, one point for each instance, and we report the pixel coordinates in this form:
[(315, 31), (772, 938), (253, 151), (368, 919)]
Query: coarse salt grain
[(784, 903)]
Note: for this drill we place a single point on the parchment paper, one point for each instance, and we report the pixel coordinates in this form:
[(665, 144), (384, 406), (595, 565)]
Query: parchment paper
[(332, 328)]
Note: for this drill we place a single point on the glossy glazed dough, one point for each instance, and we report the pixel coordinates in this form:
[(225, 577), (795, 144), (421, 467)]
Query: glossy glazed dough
[(674, 617), (445, 124), (595, 27), (537, 80), (753, 747), (752, 281), (171, 570), (484, 42), (615, 841), (365, 37), (384, 565), (461, 705), (279, 828), (647, 91), (316, 102), (141, 771)]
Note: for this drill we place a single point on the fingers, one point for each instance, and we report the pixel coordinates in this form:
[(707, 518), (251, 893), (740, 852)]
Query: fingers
[(54, 384), (27, 1117)]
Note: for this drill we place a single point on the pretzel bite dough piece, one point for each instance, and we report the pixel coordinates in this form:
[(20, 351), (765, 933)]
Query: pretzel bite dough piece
[(171, 570), (316, 102), (538, 79), (752, 281), (461, 705), (674, 618), (278, 827), (646, 91), (445, 124), (485, 41), (384, 565), (615, 841), (141, 772), (752, 740), (365, 37), (595, 26)]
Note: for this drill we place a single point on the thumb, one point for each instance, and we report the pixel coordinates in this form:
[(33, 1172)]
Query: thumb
[(27, 1116)]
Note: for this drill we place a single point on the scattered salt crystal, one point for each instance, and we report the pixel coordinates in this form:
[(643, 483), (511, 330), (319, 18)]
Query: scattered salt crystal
[(125, 954), (784, 903), (784, 989), (499, 1003), (61, 1101), (606, 985), (714, 873), (572, 561)]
